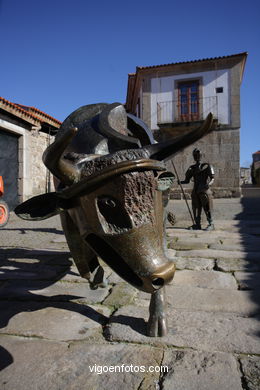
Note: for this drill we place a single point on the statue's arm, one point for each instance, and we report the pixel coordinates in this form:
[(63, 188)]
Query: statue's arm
[(211, 175), (188, 177)]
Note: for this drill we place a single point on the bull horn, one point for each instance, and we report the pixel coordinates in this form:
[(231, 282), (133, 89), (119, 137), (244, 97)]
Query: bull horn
[(63, 169), (166, 149), (111, 125)]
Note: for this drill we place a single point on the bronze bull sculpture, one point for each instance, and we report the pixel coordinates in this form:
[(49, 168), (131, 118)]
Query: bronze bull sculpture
[(110, 177)]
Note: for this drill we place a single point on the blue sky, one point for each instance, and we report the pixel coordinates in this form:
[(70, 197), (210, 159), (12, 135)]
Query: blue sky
[(57, 55)]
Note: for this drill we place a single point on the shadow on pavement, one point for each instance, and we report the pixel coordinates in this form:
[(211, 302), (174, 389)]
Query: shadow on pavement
[(249, 229), (42, 230), (5, 358), (22, 273)]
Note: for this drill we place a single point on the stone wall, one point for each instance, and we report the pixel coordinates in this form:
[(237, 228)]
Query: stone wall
[(39, 175), (221, 149)]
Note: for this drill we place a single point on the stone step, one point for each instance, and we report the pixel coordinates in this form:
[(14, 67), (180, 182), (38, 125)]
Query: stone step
[(219, 254), (243, 303), (231, 265), (192, 263), (207, 331), (241, 247), (205, 279)]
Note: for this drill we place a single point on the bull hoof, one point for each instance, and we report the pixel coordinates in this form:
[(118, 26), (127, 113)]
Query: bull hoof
[(157, 327), (99, 279)]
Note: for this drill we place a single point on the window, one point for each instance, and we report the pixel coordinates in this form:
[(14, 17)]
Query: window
[(188, 100)]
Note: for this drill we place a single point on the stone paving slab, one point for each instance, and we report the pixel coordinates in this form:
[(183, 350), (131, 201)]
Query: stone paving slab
[(230, 232), (121, 294), (243, 303), (241, 247), (60, 322), (57, 365), (186, 244), (251, 372), (205, 331), (113, 278), (194, 370), (231, 265), (194, 298), (59, 291), (205, 279), (219, 254), (192, 263)]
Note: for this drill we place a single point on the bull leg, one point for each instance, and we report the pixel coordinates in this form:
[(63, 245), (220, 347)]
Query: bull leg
[(99, 279), (157, 323), (85, 259)]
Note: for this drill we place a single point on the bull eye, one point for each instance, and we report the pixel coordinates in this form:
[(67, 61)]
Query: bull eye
[(109, 202), (112, 215)]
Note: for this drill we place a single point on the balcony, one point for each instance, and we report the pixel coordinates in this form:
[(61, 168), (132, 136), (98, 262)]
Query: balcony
[(174, 112)]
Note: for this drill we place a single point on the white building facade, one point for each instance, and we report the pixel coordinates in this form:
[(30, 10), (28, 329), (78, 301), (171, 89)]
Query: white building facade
[(174, 98)]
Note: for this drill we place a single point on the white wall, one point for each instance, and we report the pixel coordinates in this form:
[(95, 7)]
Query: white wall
[(162, 90)]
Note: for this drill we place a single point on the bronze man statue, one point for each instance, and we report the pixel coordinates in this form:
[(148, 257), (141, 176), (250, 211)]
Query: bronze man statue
[(203, 176)]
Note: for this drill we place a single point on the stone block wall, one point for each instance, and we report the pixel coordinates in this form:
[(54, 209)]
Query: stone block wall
[(38, 176)]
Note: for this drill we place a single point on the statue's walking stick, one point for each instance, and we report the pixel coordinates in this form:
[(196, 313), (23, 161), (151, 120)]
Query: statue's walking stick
[(183, 193)]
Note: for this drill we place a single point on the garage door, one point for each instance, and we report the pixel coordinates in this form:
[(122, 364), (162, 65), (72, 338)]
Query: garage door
[(9, 166)]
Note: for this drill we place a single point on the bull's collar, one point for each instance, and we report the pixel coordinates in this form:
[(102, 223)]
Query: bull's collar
[(91, 182)]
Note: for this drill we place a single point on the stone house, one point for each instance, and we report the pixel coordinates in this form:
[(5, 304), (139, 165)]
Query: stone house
[(174, 98), (255, 168), (25, 132)]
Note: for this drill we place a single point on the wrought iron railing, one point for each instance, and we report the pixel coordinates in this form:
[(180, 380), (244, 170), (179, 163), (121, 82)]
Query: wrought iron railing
[(193, 110)]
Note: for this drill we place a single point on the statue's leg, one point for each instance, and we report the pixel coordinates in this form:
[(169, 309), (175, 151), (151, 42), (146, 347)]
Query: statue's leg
[(196, 208), (85, 259), (157, 323), (208, 206)]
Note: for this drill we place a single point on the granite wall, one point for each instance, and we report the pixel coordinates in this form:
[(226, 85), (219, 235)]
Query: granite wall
[(221, 150)]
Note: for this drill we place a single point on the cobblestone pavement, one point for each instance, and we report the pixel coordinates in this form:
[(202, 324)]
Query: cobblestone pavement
[(57, 333)]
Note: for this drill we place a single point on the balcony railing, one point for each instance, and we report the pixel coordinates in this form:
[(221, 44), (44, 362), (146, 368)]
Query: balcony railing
[(195, 110)]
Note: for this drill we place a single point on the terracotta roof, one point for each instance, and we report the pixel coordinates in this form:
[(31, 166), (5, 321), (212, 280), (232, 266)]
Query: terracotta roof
[(258, 152), (190, 62), (29, 112), (34, 110)]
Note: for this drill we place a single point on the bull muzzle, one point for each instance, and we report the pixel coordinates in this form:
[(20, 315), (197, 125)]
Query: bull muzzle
[(136, 256)]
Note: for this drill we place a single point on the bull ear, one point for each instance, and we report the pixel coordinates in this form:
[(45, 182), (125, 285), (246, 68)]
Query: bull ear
[(41, 207), (112, 123), (166, 149)]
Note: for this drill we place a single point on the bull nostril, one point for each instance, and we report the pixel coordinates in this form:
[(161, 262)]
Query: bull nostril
[(158, 282)]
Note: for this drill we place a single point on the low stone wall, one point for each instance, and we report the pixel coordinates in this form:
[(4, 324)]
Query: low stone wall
[(176, 193)]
